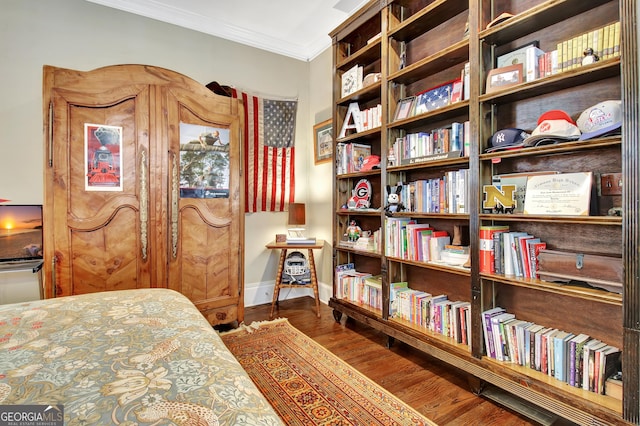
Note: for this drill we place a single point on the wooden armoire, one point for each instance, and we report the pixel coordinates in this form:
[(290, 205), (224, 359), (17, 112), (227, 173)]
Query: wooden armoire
[(143, 186)]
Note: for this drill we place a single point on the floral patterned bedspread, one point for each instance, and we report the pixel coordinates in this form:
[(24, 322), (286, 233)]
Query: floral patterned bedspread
[(125, 357)]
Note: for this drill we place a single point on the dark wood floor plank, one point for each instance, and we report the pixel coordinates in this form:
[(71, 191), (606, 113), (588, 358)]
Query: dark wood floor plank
[(437, 390)]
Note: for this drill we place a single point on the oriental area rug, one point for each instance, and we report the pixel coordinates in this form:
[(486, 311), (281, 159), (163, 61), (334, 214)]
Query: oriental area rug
[(308, 385)]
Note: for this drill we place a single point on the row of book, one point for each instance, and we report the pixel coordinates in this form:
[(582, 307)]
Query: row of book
[(360, 288), (454, 138), (409, 240), (371, 117), (579, 360), (431, 312), (604, 41), (350, 157), (447, 194), (509, 253), (569, 54)]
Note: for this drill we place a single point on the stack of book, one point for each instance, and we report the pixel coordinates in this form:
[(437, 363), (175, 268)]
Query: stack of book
[(306, 240)]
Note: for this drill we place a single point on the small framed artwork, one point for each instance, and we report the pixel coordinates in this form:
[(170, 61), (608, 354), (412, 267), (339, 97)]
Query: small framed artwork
[(403, 109), (323, 141), (504, 77), (103, 162)]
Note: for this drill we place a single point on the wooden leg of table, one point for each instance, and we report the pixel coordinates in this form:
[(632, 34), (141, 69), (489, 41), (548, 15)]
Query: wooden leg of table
[(276, 288), (314, 281)]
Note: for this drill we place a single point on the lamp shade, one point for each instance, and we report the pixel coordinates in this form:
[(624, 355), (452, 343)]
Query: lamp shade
[(296, 214)]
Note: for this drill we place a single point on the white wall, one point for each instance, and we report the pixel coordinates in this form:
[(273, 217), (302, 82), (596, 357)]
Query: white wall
[(80, 35)]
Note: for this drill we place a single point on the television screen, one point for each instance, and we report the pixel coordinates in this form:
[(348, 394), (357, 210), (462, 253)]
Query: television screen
[(20, 232)]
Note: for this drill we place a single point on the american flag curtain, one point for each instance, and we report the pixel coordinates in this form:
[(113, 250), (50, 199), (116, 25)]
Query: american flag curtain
[(269, 152)]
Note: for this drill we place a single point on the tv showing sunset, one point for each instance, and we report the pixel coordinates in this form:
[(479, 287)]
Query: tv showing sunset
[(20, 232)]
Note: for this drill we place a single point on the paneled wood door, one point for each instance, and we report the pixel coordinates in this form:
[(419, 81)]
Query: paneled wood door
[(132, 200)]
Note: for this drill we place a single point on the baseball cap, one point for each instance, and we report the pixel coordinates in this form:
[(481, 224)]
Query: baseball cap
[(500, 18), (370, 162), (555, 114), (604, 117), (553, 131), (509, 138)]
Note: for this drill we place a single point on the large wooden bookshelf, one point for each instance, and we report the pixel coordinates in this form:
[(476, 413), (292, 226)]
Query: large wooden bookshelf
[(423, 44)]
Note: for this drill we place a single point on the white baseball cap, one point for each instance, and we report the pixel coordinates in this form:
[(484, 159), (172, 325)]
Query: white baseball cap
[(552, 131), (600, 119)]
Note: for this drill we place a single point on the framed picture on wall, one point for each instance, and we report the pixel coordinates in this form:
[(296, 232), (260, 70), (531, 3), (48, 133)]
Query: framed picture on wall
[(323, 141)]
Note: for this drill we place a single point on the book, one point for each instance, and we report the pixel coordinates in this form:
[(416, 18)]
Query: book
[(559, 354), (529, 344), (608, 365), (501, 343), (576, 345), (511, 265), (352, 80), (531, 71), (487, 247), (437, 242), (520, 254), (309, 241), (488, 333), (588, 373), (456, 91)]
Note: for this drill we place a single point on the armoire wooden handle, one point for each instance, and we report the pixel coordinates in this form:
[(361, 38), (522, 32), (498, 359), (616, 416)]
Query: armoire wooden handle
[(144, 204), (175, 188)]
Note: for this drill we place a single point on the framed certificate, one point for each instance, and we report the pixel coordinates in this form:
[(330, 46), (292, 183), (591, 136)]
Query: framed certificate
[(564, 194)]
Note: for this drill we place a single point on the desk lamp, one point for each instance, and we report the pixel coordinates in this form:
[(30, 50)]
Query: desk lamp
[(296, 221)]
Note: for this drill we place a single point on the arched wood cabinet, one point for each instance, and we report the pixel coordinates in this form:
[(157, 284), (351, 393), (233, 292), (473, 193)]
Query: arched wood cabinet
[(143, 186)]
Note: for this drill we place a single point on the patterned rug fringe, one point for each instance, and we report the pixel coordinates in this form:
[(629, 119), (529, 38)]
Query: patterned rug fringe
[(251, 327)]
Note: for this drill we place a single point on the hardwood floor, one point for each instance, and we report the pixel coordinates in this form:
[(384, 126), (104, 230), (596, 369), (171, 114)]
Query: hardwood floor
[(438, 391)]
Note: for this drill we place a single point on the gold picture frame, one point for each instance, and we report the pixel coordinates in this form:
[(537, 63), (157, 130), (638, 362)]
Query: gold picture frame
[(504, 77), (323, 141)]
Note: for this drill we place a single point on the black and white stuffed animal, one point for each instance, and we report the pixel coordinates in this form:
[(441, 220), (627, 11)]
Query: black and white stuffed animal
[(393, 201)]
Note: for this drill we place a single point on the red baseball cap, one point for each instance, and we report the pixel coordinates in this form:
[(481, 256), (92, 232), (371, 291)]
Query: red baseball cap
[(555, 114)]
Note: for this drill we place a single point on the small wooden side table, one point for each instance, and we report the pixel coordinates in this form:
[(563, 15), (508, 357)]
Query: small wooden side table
[(283, 247)]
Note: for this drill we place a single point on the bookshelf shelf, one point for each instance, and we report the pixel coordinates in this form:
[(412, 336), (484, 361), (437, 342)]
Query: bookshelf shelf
[(584, 75), (578, 292), (441, 114), (426, 19), (365, 94), (423, 45), (368, 53), (456, 54), (566, 147), (544, 14), (439, 266)]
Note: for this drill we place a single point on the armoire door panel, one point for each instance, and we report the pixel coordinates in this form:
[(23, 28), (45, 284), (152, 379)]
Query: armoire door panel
[(95, 227), (205, 228), (103, 258)]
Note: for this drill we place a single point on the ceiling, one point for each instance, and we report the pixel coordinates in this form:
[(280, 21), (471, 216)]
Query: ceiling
[(295, 28)]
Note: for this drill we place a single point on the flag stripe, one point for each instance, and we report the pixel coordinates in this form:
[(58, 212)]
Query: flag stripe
[(269, 169)]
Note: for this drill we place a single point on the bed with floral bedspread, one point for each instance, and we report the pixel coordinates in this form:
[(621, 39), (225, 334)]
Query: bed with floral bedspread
[(125, 357)]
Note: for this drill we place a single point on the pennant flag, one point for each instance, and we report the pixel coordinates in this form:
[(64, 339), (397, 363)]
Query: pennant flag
[(269, 152)]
